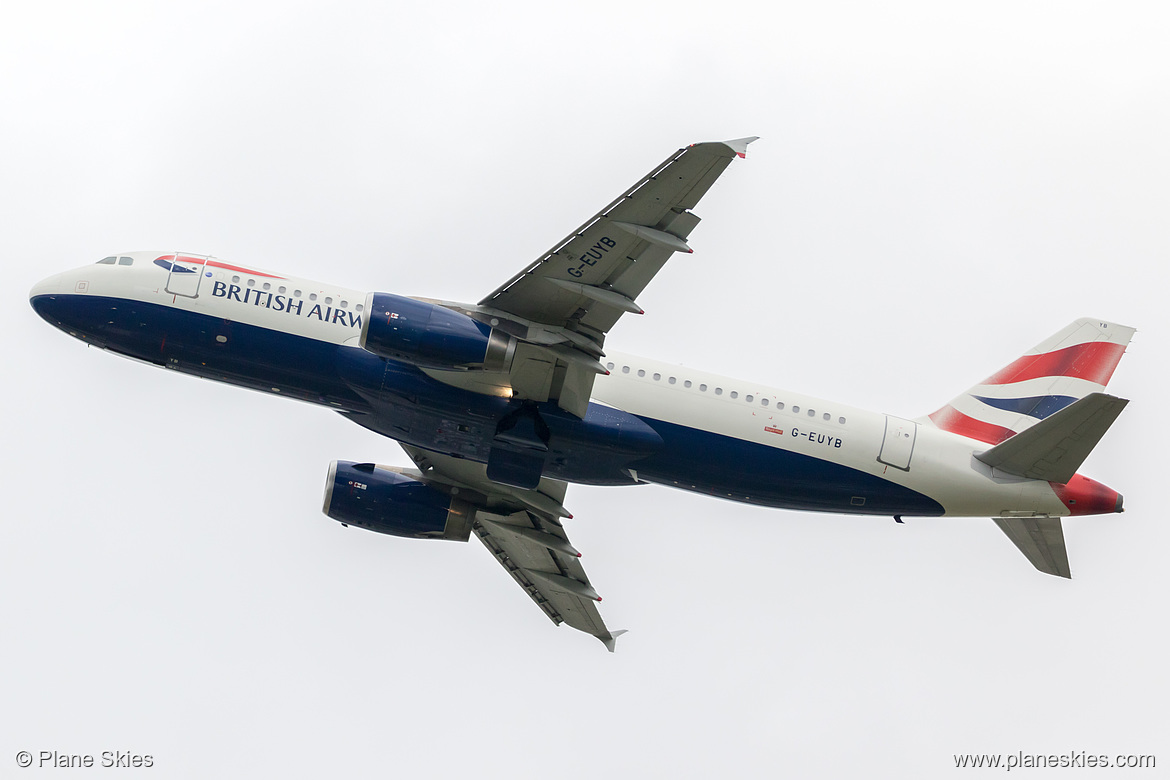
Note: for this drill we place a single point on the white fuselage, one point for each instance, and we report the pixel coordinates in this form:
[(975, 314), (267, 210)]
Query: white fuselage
[(912, 454)]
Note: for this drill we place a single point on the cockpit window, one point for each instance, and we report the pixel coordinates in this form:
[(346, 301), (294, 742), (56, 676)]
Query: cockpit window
[(125, 261), (107, 261)]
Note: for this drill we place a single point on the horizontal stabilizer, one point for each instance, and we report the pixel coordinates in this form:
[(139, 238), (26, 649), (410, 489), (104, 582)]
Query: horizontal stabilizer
[(1054, 448), (1041, 540)]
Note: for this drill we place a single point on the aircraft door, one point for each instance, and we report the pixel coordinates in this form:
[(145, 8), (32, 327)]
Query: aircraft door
[(898, 443), (185, 275)]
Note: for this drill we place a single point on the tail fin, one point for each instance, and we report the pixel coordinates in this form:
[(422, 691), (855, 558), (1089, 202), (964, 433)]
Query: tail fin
[(1054, 374)]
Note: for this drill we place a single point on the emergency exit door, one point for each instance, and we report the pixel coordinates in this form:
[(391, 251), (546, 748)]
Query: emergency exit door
[(185, 275), (898, 443)]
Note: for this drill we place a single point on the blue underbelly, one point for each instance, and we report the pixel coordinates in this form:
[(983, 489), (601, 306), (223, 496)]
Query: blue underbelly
[(740, 470), (245, 355), (401, 402)]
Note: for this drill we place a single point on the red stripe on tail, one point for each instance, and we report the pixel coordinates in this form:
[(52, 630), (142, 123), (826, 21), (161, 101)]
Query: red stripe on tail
[(952, 420), (1094, 361)]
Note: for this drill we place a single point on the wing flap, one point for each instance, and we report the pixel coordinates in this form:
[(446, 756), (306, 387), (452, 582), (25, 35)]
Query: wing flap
[(522, 530), (553, 579)]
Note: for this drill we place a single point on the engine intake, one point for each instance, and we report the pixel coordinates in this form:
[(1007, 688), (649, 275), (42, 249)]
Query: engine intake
[(383, 499), (428, 335)]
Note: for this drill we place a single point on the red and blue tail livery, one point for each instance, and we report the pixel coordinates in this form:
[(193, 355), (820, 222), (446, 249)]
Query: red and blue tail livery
[(502, 403), (1051, 376)]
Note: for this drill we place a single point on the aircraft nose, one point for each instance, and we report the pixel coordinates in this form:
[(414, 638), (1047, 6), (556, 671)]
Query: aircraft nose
[(45, 287), (41, 296)]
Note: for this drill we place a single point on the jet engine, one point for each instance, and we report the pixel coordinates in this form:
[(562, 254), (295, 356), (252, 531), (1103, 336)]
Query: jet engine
[(430, 336), (389, 501)]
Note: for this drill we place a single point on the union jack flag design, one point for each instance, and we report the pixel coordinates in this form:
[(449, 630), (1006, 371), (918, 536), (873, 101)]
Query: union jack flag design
[(1052, 375)]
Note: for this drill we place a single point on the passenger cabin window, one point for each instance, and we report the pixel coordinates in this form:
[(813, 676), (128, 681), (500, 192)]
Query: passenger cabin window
[(687, 383), (734, 394), (107, 261), (641, 372), (763, 402)]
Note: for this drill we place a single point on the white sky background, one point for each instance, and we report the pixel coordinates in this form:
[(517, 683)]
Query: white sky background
[(934, 192)]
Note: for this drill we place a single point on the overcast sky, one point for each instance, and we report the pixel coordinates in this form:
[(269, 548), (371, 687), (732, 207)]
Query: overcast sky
[(934, 192)]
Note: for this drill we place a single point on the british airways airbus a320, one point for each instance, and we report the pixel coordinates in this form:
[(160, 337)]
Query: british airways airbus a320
[(502, 403)]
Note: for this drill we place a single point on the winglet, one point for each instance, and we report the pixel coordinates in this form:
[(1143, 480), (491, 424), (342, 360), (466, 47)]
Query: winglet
[(740, 145), (610, 642)]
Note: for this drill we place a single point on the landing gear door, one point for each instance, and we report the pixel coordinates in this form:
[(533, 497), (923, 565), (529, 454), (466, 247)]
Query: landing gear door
[(185, 275), (898, 444)]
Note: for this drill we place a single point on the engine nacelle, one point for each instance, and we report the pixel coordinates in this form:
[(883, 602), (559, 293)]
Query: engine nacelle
[(430, 336), (382, 499)]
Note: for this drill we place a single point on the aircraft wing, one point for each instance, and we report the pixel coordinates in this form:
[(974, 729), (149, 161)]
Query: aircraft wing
[(574, 293), (522, 529)]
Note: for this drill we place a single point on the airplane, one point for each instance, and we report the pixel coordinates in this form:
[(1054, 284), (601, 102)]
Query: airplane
[(502, 403)]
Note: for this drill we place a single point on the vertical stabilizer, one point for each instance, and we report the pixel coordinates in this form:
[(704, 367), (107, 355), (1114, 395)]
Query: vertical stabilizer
[(1051, 376)]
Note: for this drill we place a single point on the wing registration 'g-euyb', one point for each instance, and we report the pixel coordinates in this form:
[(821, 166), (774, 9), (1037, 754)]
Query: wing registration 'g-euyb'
[(573, 294), (501, 404)]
